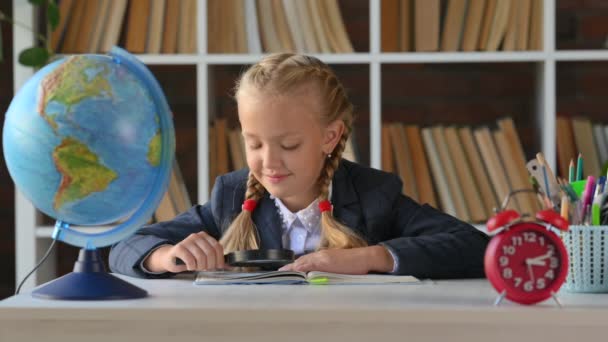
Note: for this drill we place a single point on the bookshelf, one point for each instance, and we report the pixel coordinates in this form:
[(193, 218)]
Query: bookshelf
[(32, 237)]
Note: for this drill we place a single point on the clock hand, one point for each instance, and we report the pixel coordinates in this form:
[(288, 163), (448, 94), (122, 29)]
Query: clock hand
[(538, 259), (535, 262), (530, 271)]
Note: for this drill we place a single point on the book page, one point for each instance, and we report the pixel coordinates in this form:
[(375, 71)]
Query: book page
[(317, 277)]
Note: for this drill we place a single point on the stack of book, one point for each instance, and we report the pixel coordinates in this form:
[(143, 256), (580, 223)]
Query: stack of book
[(461, 25), (148, 26), (242, 26), (580, 135), (464, 171)]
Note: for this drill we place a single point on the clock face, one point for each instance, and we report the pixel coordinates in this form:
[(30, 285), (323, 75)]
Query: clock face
[(526, 261)]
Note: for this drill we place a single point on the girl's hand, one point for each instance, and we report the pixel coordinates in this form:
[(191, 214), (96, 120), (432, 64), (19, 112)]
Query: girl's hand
[(199, 251), (349, 261)]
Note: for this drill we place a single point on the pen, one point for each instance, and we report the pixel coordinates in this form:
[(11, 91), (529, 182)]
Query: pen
[(588, 194), (595, 206), (579, 167), (546, 182), (571, 174)]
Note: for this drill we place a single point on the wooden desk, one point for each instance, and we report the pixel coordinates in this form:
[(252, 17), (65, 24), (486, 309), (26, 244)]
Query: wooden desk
[(176, 310)]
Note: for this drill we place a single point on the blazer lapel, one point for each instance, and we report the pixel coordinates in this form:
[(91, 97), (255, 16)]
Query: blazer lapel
[(268, 222), (347, 208)]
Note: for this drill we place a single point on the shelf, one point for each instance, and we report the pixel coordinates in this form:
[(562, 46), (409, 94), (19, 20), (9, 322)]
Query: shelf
[(362, 57), (581, 55), (461, 57)]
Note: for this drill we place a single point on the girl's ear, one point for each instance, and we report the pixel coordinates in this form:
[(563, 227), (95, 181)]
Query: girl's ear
[(333, 134)]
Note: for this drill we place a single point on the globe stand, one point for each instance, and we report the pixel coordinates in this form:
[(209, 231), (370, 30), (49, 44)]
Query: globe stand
[(89, 281)]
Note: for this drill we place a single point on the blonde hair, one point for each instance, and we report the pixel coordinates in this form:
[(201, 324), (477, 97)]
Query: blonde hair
[(283, 73)]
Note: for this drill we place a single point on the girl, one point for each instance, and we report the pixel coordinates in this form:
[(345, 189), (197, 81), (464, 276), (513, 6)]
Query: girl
[(298, 193)]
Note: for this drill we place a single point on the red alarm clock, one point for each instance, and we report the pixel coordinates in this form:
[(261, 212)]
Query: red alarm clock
[(526, 262)]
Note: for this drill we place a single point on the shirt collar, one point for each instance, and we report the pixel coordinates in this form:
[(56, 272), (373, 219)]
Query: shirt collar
[(310, 217)]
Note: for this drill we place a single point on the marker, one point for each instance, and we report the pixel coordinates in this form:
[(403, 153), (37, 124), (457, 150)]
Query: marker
[(319, 281)]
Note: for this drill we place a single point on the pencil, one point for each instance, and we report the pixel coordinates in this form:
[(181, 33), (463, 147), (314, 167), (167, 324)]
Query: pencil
[(571, 173), (564, 208), (579, 167)]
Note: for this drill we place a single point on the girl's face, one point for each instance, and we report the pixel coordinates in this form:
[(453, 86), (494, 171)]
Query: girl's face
[(286, 143)]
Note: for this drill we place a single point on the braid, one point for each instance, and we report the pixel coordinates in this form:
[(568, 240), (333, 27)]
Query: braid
[(242, 233), (255, 190)]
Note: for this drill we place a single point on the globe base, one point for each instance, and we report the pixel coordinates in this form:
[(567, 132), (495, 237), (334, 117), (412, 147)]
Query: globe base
[(89, 281)]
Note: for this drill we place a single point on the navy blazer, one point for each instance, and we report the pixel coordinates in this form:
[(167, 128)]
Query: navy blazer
[(426, 242)]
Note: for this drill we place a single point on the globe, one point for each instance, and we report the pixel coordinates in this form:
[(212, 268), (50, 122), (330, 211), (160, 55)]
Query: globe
[(89, 140)]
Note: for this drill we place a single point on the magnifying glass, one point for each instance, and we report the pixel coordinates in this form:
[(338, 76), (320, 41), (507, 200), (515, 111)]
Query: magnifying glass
[(265, 259)]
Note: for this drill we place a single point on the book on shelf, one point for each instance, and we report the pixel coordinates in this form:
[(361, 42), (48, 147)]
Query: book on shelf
[(176, 199), (585, 144), (390, 30), (170, 27), (137, 26), (581, 135), (426, 24), (403, 158), (65, 9), (114, 25), (449, 172), (472, 26), (156, 26), (490, 155), (479, 174), (424, 184), (437, 171), (453, 25), (294, 277), (464, 174)]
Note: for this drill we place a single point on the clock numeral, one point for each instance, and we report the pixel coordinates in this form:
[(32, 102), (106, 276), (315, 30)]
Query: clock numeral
[(517, 240), (507, 273), (529, 286), (530, 237), (551, 248), (504, 261), (540, 283), (549, 274), (508, 250), (518, 281), (553, 262), (541, 241)]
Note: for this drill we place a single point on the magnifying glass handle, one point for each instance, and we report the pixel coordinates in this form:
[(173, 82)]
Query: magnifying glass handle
[(177, 261)]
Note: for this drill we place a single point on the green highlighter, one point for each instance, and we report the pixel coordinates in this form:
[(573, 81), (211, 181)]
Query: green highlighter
[(318, 281)]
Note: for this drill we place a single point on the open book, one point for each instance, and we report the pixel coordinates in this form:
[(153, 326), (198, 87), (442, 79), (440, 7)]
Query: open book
[(293, 277)]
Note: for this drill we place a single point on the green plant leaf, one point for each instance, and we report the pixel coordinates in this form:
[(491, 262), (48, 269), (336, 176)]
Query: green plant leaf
[(34, 56), (53, 15), (37, 2)]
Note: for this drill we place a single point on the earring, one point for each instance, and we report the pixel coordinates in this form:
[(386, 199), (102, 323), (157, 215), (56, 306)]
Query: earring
[(329, 156)]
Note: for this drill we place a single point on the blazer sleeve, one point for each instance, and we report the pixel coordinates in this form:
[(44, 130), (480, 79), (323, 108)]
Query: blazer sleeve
[(432, 244), (127, 255)]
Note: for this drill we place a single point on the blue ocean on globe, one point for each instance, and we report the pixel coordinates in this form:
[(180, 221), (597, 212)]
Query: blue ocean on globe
[(82, 140)]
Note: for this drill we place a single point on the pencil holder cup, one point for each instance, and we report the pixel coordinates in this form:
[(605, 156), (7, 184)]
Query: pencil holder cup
[(587, 248)]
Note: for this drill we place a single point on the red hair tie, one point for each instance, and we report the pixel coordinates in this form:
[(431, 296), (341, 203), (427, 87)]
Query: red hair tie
[(249, 205), (325, 206)]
